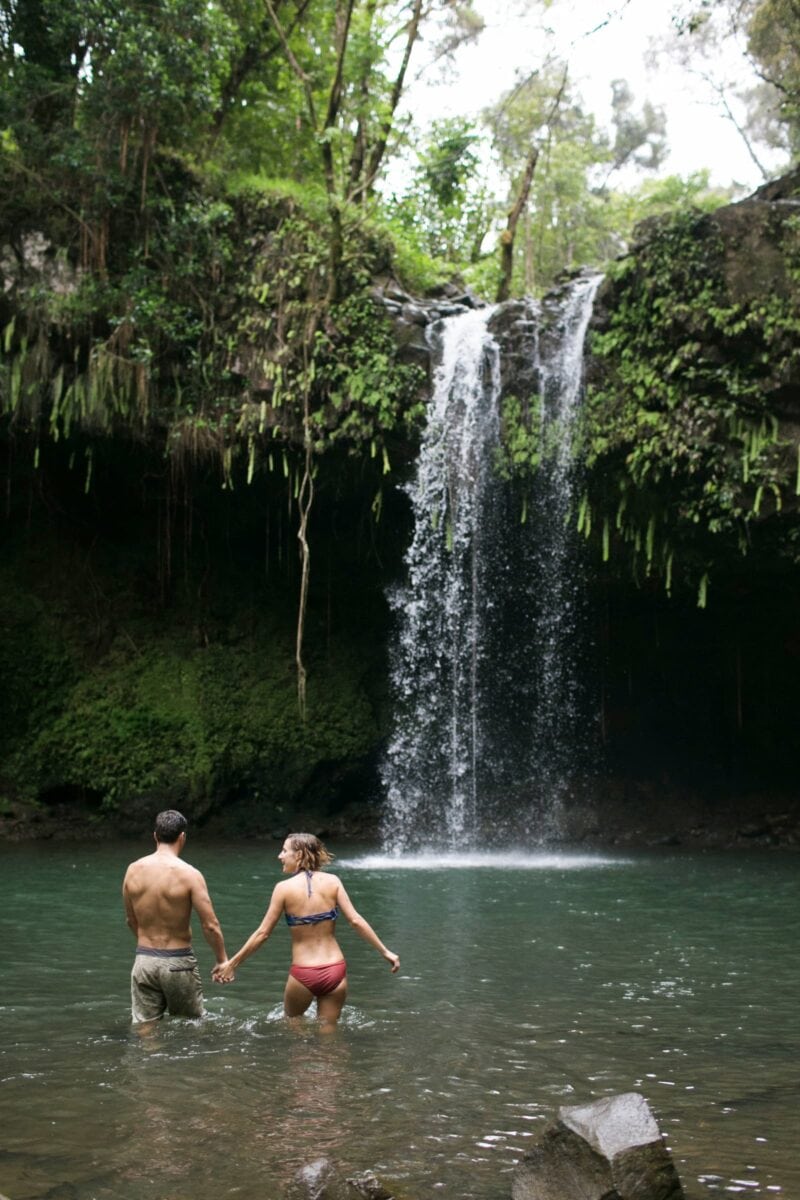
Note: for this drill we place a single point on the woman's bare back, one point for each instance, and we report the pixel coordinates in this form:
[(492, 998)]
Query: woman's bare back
[(313, 944)]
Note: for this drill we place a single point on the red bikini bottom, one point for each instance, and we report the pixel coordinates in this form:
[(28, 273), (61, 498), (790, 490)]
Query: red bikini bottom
[(320, 980)]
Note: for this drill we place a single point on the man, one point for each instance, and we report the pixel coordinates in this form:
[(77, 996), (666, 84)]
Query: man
[(160, 891)]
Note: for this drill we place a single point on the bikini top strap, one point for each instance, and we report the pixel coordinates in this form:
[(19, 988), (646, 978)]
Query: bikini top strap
[(308, 875)]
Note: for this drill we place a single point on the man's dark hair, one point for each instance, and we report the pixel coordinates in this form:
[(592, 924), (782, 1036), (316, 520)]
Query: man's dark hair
[(169, 826)]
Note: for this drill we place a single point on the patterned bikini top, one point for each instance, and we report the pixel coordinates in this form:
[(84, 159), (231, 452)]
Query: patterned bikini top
[(313, 918)]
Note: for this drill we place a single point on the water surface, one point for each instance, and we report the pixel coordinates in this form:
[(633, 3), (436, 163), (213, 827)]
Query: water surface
[(527, 982)]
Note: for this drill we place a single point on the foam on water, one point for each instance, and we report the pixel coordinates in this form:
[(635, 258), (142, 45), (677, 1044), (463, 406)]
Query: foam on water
[(499, 860)]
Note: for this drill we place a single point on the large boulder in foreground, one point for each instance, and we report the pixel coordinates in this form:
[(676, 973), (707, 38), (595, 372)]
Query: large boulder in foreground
[(608, 1150)]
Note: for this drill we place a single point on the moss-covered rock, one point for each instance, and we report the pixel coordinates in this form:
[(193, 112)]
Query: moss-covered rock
[(692, 429), (150, 665)]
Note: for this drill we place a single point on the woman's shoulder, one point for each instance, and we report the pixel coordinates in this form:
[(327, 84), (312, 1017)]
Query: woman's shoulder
[(327, 883)]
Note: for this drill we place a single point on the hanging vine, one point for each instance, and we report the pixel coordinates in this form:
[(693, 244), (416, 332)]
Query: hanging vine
[(305, 499)]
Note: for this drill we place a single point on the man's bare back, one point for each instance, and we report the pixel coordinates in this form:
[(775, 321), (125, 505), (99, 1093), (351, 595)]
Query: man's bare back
[(159, 892)]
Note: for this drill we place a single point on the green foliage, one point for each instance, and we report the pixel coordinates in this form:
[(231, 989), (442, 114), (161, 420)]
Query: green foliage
[(37, 665), (686, 451), (136, 140), (659, 197), (370, 397), (415, 268), (214, 340), (520, 450), (446, 209)]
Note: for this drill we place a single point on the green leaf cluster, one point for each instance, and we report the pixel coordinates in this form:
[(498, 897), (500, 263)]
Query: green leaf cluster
[(521, 445)]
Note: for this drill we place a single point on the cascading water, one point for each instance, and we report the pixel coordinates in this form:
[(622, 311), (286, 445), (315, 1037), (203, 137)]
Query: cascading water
[(438, 669), (554, 565), (483, 669)]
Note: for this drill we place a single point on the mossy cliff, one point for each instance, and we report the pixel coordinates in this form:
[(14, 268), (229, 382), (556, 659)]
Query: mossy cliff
[(687, 505), (691, 498), (165, 424), (148, 648), (692, 426), (161, 423)]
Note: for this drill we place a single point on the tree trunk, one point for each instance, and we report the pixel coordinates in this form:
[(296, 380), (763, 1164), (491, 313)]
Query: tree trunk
[(379, 149), (510, 232), (344, 13)]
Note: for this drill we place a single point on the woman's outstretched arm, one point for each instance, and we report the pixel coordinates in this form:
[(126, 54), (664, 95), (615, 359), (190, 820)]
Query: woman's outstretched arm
[(363, 928), (226, 972)]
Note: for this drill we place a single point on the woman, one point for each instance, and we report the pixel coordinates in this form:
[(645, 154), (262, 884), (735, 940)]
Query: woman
[(310, 901)]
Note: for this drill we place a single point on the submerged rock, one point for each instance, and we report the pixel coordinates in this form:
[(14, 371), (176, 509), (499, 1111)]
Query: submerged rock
[(322, 1180), (608, 1150)]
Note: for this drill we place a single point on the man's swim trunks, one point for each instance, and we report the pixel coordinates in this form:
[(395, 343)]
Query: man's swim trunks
[(165, 980), (320, 980)]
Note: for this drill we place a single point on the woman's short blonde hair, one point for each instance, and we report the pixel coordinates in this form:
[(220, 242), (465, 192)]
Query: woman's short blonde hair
[(313, 855)]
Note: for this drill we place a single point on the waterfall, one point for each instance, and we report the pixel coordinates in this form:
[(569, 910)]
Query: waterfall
[(554, 564), (481, 666), (432, 760)]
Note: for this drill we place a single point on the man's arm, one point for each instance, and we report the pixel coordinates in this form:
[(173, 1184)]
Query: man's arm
[(130, 915), (212, 930)]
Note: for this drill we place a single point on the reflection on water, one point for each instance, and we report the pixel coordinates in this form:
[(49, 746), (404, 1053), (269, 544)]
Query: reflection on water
[(527, 982)]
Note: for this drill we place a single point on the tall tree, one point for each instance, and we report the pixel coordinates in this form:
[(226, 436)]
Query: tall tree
[(530, 112)]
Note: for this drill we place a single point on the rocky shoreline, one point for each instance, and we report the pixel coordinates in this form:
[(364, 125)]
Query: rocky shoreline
[(628, 814)]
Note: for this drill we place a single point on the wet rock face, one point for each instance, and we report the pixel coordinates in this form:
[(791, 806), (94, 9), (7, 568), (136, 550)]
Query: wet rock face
[(759, 239), (515, 326), (753, 246), (608, 1150), (412, 316)]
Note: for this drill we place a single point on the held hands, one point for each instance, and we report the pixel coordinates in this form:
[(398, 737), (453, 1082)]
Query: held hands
[(223, 972)]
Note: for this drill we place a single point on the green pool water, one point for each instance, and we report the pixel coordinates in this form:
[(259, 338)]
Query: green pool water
[(527, 982)]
